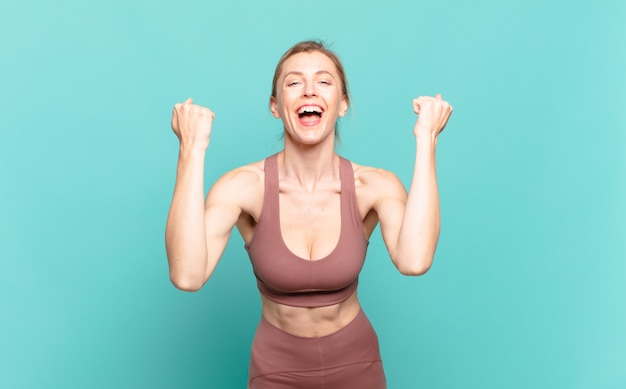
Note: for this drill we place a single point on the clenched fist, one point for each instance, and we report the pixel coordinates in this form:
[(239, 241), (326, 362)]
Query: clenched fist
[(192, 124), (433, 114)]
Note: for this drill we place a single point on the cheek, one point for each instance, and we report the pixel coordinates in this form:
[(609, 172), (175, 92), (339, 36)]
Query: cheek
[(287, 99)]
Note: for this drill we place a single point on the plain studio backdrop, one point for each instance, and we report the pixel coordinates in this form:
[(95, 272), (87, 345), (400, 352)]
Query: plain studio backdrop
[(527, 288)]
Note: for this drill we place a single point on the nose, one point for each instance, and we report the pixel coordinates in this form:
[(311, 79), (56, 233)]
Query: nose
[(309, 90)]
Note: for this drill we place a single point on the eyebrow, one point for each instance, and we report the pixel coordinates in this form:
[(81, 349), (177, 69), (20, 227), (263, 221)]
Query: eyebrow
[(293, 72)]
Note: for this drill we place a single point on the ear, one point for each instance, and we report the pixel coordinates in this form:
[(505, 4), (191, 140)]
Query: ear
[(344, 106), (274, 107)]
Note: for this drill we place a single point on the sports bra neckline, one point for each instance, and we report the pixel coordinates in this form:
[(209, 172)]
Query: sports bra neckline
[(289, 279), (337, 242), (271, 169)]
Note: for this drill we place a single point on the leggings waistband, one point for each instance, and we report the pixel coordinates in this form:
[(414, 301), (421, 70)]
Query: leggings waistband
[(275, 350)]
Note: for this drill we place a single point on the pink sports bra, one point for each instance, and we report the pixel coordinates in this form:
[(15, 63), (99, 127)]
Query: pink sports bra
[(288, 279)]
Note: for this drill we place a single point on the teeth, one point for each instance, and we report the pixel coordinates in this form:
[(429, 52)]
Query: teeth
[(309, 109)]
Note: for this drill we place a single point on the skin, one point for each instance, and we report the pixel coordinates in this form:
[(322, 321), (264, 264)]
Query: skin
[(198, 230)]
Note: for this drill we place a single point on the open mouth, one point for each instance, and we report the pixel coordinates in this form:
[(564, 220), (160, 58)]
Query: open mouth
[(310, 112)]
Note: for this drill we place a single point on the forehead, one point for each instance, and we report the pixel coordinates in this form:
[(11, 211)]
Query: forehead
[(311, 62)]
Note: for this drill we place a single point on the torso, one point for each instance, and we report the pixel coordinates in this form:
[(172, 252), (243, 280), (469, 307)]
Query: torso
[(310, 224)]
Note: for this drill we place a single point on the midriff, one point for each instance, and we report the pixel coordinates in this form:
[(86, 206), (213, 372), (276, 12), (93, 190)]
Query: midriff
[(311, 322)]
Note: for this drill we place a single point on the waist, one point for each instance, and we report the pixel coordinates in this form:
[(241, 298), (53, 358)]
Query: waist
[(311, 322)]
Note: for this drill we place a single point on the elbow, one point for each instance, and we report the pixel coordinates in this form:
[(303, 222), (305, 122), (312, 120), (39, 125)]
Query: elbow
[(414, 270), (186, 283), (185, 274), (413, 267)]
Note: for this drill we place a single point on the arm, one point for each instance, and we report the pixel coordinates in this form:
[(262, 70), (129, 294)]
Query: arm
[(410, 225), (195, 235)]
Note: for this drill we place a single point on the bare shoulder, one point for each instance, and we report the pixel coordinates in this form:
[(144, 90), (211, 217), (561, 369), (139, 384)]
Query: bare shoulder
[(246, 174), (377, 182), (241, 187), (379, 194)]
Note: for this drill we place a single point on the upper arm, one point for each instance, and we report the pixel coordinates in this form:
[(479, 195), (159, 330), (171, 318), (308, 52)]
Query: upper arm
[(230, 196), (387, 196)]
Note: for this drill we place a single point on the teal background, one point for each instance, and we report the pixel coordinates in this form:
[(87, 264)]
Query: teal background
[(527, 289)]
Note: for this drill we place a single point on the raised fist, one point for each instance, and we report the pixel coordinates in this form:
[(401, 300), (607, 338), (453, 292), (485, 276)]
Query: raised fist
[(433, 114), (192, 124)]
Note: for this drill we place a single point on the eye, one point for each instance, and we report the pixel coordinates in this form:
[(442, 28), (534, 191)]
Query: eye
[(293, 82), (324, 82)]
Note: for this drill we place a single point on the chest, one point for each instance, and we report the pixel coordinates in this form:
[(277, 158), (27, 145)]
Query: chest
[(310, 223)]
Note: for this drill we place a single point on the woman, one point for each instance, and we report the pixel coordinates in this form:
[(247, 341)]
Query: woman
[(305, 215)]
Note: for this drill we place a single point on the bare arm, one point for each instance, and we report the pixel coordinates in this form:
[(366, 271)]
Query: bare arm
[(410, 224), (195, 235)]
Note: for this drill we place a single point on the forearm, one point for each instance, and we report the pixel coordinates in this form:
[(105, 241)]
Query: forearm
[(185, 235), (419, 232)]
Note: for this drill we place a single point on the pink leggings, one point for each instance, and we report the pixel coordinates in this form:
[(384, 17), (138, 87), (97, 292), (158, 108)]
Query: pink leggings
[(346, 359)]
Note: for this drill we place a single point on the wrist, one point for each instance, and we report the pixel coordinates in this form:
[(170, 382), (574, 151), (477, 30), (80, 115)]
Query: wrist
[(192, 150), (425, 140)]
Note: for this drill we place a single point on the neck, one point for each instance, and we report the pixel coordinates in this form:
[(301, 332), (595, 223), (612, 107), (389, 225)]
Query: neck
[(307, 166)]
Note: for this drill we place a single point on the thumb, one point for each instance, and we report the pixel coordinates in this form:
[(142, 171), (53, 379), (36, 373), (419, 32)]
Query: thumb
[(438, 96), (188, 101), (416, 105)]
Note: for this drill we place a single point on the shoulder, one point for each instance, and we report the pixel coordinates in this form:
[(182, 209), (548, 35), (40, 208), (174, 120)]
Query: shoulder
[(242, 185), (376, 180), (246, 174)]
